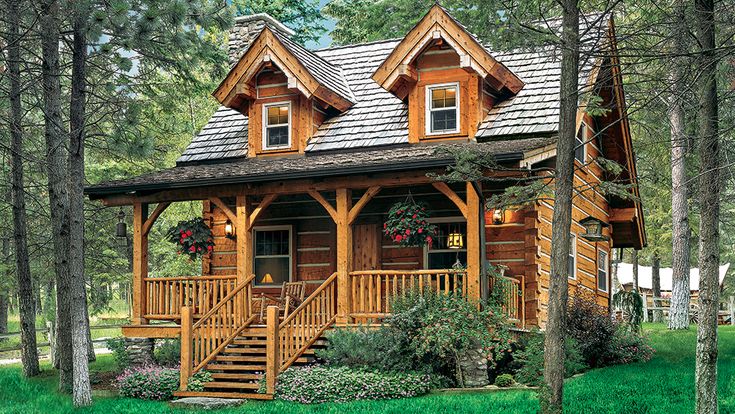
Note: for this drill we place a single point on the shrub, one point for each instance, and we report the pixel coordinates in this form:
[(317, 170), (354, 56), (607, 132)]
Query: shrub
[(119, 352), (365, 348), (318, 384), (197, 381), (627, 347), (531, 359), (168, 353), (591, 326), (504, 380), (148, 382)]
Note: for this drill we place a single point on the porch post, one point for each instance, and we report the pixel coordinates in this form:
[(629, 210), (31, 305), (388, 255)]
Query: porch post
[(243, 238), (474, 261), (344, 254), (140, 263)]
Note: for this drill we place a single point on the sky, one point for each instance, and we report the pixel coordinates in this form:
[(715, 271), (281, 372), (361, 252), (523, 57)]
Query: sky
[(325, 40)]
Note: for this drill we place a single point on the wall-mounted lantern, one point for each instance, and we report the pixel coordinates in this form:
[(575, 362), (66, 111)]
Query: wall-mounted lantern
[(499, 216), (229, 230), (455, 240), (593, 229), (121, 230)]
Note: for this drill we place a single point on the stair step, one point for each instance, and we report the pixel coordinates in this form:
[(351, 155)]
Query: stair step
[(232, 385), (228, 367), (248, 342), (235, 375), (240, 358), (247, 395)]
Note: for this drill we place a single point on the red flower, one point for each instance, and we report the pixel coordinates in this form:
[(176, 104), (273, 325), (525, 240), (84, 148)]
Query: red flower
[(181, 231), (421, 230), (192, 249), (429, 239), (209, 248), (188, 233), (408, 232), (199, 249), (398, 238), (385, 226), (414, 215)]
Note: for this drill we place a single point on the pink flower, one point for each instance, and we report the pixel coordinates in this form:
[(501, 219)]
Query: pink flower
[(398, 238), (199, 249), (428, 240), (414, 216), (421, 230), (408, 232)]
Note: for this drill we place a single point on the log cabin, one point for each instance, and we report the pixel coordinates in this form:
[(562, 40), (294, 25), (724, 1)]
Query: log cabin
[(309, 150)]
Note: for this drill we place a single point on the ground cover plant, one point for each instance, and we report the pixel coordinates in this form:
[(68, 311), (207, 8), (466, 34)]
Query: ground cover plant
[(663, 385)]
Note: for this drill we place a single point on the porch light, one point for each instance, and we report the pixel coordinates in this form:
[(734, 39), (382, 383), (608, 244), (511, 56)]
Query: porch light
[(455, 241), (229, 230), (121, 231), (499, 216), (593, 229)]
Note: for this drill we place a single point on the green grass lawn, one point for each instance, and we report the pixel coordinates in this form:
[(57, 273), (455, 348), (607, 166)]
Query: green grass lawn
[(663, 385)]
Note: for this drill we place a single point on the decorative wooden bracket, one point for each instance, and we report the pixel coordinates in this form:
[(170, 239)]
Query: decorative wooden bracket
[(321, 200), (267, 200), (225, 209), (444, 189), (148, 224), (355, 210)]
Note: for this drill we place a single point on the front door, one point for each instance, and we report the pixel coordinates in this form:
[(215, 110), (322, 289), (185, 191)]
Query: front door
[(366, 247)]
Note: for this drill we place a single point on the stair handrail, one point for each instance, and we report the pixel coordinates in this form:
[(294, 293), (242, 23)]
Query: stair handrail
[(287, 341), (198, 348)]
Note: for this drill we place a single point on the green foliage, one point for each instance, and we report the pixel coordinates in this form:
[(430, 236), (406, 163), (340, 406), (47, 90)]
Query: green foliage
[(197, 381), (193, 237), (530, 356), (366, 348), (303, 16), (627, 347), (148, 383), (504, 380), (591, 326), (407, 224), (631, 303), (168, 353), (119, 352), (318, 384)]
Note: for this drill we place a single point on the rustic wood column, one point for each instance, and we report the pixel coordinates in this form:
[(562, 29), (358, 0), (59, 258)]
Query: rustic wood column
[(243, 238), (272, 363), (474, 261), (344, 254), (186, 351), (140, 263)]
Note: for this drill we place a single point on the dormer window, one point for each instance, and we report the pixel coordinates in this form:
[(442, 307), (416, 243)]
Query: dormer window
[(277, 126), (442, 109)]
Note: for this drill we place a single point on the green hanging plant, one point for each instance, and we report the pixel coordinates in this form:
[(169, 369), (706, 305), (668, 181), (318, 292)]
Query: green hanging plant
[(193, 237), (407, 224), (631, 304)]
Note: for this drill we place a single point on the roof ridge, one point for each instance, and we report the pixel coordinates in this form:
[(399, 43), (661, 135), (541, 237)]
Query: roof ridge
[(372, 42)]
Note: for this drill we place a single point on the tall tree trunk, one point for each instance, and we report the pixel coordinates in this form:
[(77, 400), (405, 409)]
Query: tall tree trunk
[(4, 295), (82, 394), (617, 255), (29, 352), (658, 315), (636, 286), (552, 396), (709, 201), (57, 183), (680, 230)]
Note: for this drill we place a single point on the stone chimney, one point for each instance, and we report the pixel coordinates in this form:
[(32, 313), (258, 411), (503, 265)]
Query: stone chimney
[(246, 29)]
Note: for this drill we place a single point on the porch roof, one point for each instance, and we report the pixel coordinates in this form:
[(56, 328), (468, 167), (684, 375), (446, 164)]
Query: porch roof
[(249, 170)]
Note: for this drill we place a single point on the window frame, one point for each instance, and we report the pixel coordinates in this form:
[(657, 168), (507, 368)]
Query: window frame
[(438, 220), (573, 256), (264, 131), (581, 143), (606, 270), (428, 109), (290, 250)]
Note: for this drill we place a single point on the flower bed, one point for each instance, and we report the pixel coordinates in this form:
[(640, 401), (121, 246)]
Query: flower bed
[(318, 384), (149, 382)]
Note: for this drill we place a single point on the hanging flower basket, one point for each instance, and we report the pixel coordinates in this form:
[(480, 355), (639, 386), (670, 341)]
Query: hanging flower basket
[(407, 224), (193, 237)]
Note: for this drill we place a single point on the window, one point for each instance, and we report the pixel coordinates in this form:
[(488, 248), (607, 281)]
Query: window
[(442, 109), (439, 255), (602, 270), (272, 258), (580, 143), (277, 126), (572, 262)]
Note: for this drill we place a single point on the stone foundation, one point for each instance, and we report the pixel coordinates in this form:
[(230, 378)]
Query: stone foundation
[(140, 350), (473, 364)]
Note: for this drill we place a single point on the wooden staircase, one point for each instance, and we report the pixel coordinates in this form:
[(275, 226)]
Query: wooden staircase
[(237, 369), (237, 354)]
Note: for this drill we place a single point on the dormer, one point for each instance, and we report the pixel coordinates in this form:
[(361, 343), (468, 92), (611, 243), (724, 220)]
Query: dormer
[(285, 91), (449, 80)]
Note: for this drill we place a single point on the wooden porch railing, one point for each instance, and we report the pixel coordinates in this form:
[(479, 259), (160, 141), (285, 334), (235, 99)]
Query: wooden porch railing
[(203, 340), (165, 296), (286, 341), (509, 291), (372, 291)]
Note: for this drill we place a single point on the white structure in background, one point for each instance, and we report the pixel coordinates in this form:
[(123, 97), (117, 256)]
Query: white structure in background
[(625, 277)]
